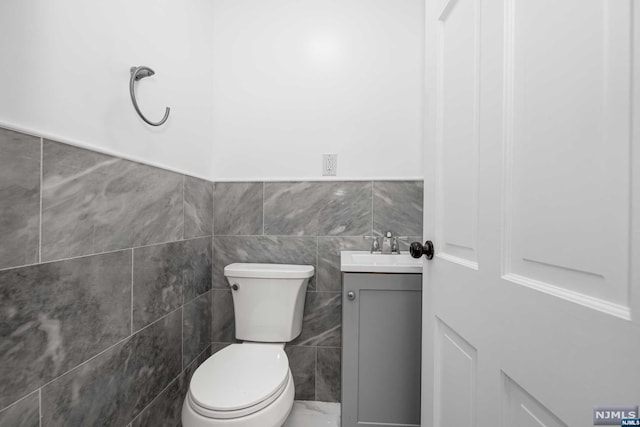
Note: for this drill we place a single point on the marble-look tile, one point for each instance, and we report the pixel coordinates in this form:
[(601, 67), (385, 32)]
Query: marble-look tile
[(314, 414), (157, 282), (397, 207), (302, 362), (166, 409), (322, 324), (317, 208), (166, 275), (268, 249), (19, 198), (217, 346), (198, 256), (112, 388), (57, 315), (93, 203), (329, 276), (196, 328), (25, 413), (238, 208), (198, 207), (223, 328), (191, 368), (328, 383)]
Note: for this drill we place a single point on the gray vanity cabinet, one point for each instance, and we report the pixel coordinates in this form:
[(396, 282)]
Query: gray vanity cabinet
[(381, 343)]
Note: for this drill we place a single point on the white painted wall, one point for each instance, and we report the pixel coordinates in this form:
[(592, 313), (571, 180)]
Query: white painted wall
[(259, 89), (65, 73), (297, 78)]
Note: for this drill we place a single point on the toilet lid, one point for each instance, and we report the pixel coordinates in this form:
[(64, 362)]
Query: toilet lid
[(239, 376)]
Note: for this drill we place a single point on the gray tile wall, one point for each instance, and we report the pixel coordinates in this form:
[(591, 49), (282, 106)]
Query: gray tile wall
[(105, 286), (111, 284), (306, 223)]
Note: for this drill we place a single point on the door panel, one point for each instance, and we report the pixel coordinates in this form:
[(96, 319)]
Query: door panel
[(567, 182), (457, 187), (521, 409), (531, 305), (455, 379)]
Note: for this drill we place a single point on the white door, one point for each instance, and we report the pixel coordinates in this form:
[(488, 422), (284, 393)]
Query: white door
[(532, 199)]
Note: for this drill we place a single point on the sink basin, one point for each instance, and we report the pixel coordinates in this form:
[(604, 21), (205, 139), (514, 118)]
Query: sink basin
[(366, 262)]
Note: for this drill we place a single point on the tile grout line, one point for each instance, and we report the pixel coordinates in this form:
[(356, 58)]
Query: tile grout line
[(41, 191), (315, 384), (106, 253), (40, 406), (182, 336), (213, 208), (132, 267), (263, 192), (372, 215), (12, 404), (183, 227)]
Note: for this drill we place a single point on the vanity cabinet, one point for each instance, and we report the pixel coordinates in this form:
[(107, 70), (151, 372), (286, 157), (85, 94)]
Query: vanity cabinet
[(381, 349)]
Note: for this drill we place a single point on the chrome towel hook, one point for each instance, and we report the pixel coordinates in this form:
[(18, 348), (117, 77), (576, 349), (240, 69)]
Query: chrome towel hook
[(138, 73)]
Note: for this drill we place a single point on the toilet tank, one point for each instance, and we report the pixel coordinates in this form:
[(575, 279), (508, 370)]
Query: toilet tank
[(268, 300)]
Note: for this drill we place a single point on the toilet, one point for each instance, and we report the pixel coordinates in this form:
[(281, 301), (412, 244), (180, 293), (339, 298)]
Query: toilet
[(250, 384)]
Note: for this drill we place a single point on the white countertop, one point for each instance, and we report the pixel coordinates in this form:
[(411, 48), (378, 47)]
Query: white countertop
[(366, 262)]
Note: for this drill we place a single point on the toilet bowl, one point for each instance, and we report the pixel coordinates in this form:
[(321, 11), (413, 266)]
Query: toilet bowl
[(250, 384), (243, 385)]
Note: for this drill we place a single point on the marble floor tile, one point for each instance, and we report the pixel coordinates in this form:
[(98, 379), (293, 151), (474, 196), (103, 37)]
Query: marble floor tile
[(268, 249), (322, 322), (167, 275), (198, 207), (329, 276), (196, 328), (58, 315), (313, 414), (329, 376), (302, 362), (94, 203), (115, 386), (238, 208), (397, 207), (317, 208), (25, 413), (19, 198)]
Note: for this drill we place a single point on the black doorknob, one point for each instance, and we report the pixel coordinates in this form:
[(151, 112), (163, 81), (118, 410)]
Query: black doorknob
[(417, 249)]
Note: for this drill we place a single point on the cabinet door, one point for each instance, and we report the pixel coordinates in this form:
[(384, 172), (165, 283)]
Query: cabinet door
[(381, 350)]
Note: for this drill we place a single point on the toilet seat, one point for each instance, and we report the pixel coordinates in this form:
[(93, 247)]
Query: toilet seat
[(239, 380)]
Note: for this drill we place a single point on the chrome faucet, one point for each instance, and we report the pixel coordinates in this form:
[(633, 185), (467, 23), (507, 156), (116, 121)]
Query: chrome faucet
[(395, 246), (375, 243), (387, 243), (391, 243)]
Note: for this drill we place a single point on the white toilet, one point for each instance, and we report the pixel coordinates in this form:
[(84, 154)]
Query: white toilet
[(250, 384)]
